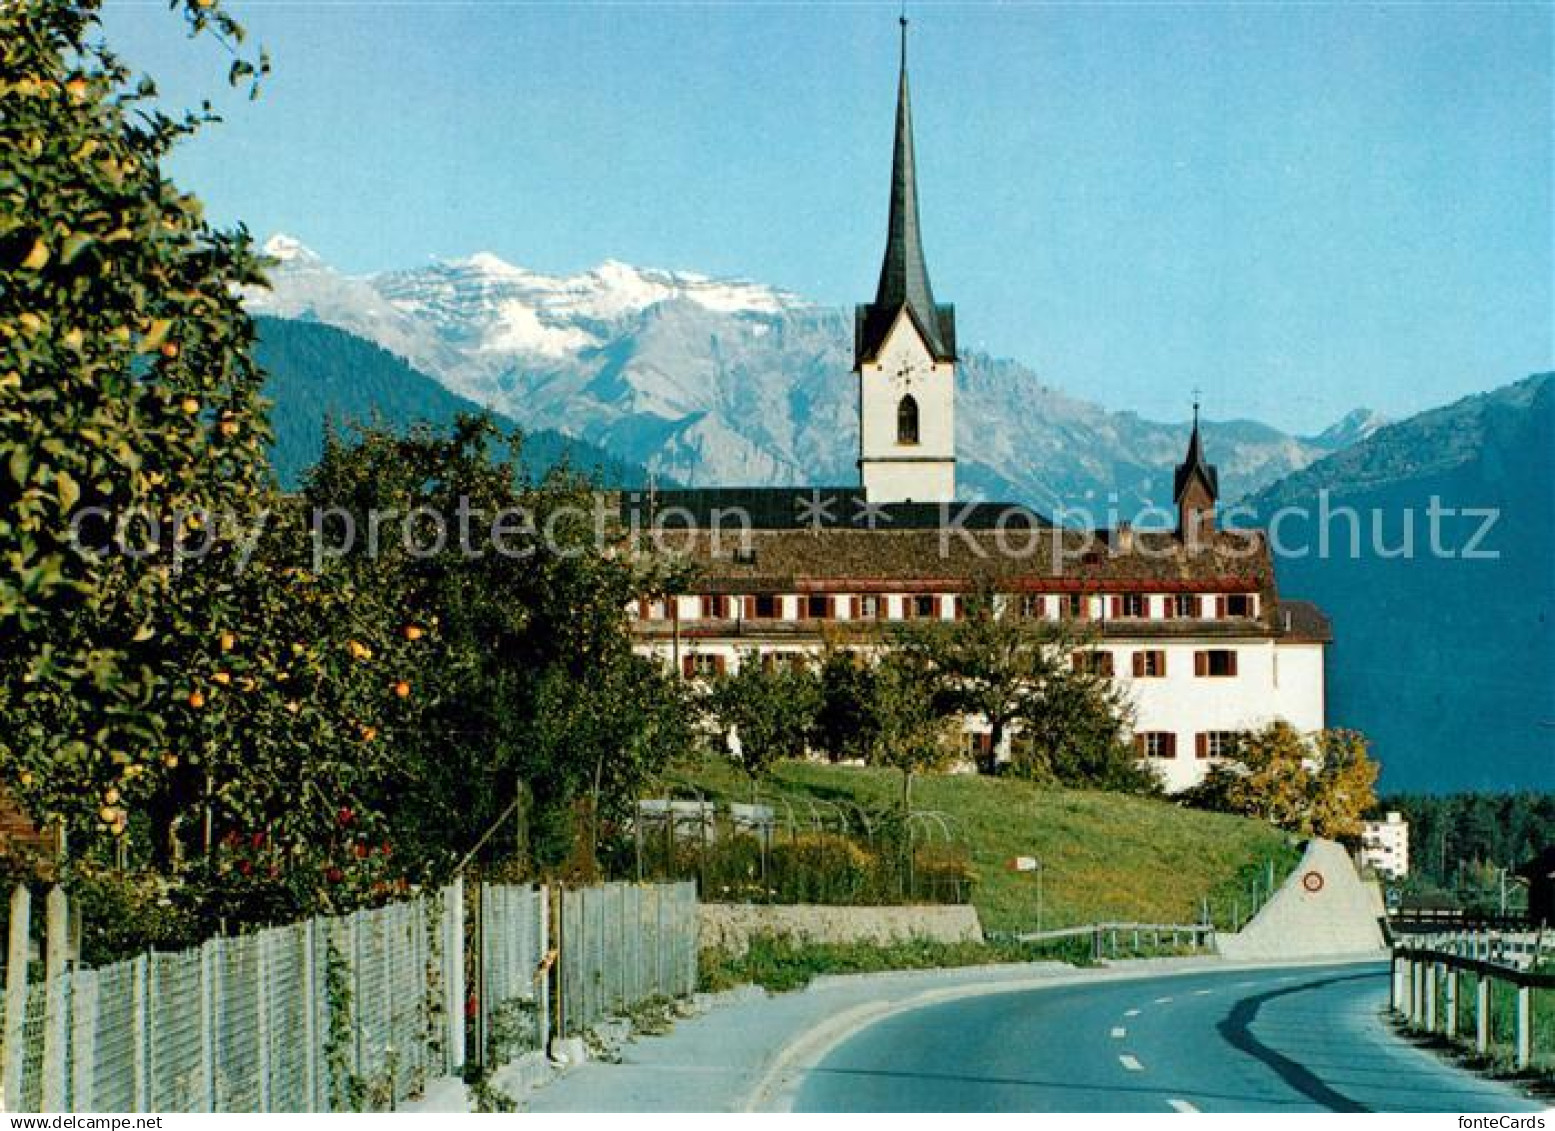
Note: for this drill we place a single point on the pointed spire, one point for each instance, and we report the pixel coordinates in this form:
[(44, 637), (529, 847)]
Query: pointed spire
[(904, 274), (1194, 462)]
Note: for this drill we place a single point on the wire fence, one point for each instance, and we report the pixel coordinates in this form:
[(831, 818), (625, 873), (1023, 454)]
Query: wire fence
[(352, 1013), (622, 945), (355, 1013), (514, 998)]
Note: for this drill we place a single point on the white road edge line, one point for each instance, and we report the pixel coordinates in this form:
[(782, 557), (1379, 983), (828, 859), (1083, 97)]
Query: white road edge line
[(1182, 1106), (1131, 1063), (1119, 1032)]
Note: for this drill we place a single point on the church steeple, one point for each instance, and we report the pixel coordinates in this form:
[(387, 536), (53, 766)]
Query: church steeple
[(904, 273), (1195, 488)]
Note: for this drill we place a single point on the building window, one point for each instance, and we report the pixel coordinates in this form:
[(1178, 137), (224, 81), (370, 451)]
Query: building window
[(702, 665), (1074, 606), (1215, 743), (907, 421), (1094, 663), (1240, 605), (817, 607), (1129, 605), (1150, 664), (765, 607), (869, 607), (1156, 744), (923, 606), (715, 607), (1032, 606), (1218, 662), (1185, 605)]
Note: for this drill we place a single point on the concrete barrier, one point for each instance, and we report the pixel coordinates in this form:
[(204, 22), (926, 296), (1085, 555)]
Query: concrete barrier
[(1323, 909), (731, 926)]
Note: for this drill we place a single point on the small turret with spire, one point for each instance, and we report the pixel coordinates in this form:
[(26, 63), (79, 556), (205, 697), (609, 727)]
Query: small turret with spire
[(1195, 489)]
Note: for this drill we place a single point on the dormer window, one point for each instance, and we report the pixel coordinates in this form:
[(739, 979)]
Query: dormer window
[(907, 421)]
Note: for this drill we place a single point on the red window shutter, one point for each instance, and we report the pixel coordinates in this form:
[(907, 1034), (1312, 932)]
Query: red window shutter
[(1169, 745), (1139, 745), (857, 609), (937, 607), (1106, 664), (720, 664), (1167, 611), (1201, 745), (1117, 607), (1160, 664), (642, 608), (1139, 664), (750, 607), (1220, 608), (1085, 608), (688, 666), (1201, 663), (1077, 661), (1231, 663)]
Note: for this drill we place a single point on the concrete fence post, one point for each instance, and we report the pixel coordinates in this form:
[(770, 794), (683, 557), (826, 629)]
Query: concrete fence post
[(16, 997), (1432, 971), (262, 992), (1482, 1015), (1524, 1045), (209, 955), (1451, 1025), (56, 1036), (307, 940), (140, 982)]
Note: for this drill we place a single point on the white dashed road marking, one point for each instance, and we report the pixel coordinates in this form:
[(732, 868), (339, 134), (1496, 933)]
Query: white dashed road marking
[(1130, 1063), (1162, 1000), (1181, 1105), (1118, 1033), (1202, 993), (1131, 1013)]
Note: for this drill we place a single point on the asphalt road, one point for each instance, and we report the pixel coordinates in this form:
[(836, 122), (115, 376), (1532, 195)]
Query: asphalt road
[(1296, 1039)]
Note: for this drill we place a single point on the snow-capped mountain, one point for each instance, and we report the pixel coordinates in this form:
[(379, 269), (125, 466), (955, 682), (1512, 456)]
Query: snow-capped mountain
[(729, 382)]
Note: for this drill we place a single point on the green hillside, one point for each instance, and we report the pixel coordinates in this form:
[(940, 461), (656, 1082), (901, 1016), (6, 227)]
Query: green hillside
[(1107, 857), (317, 373)]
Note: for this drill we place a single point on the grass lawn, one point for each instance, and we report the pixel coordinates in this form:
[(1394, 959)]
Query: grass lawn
[(1106, 856)]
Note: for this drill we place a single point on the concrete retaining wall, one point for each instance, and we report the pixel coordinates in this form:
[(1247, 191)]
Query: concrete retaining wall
[(730, 926), (1338, 919)]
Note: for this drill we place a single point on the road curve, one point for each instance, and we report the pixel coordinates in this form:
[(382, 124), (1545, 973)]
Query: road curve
[(1293, 1039)]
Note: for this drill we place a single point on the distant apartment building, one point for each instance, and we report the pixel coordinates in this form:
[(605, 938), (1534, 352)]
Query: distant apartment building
[(1385, 846)]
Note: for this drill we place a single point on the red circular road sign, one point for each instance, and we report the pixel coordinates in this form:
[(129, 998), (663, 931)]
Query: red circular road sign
[(1313, 882)]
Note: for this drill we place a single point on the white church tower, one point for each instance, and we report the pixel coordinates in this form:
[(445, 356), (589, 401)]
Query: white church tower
[(905, 353)]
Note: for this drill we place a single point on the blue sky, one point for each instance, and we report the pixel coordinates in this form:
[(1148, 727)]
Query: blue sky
[(1298, 208)]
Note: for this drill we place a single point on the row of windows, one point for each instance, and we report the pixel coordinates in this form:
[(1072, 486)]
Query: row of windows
[(1150, 663), (1206, 743), (928, 606), (1147, 663)]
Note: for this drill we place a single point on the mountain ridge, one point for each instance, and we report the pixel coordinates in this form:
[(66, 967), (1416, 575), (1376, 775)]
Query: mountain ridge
[(731, 382)]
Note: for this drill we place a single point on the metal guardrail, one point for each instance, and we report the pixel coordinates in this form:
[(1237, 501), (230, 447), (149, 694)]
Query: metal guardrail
[(1426, 991), (1108, 940)]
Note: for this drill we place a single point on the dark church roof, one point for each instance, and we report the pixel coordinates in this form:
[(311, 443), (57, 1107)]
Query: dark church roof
[(904, 274)]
